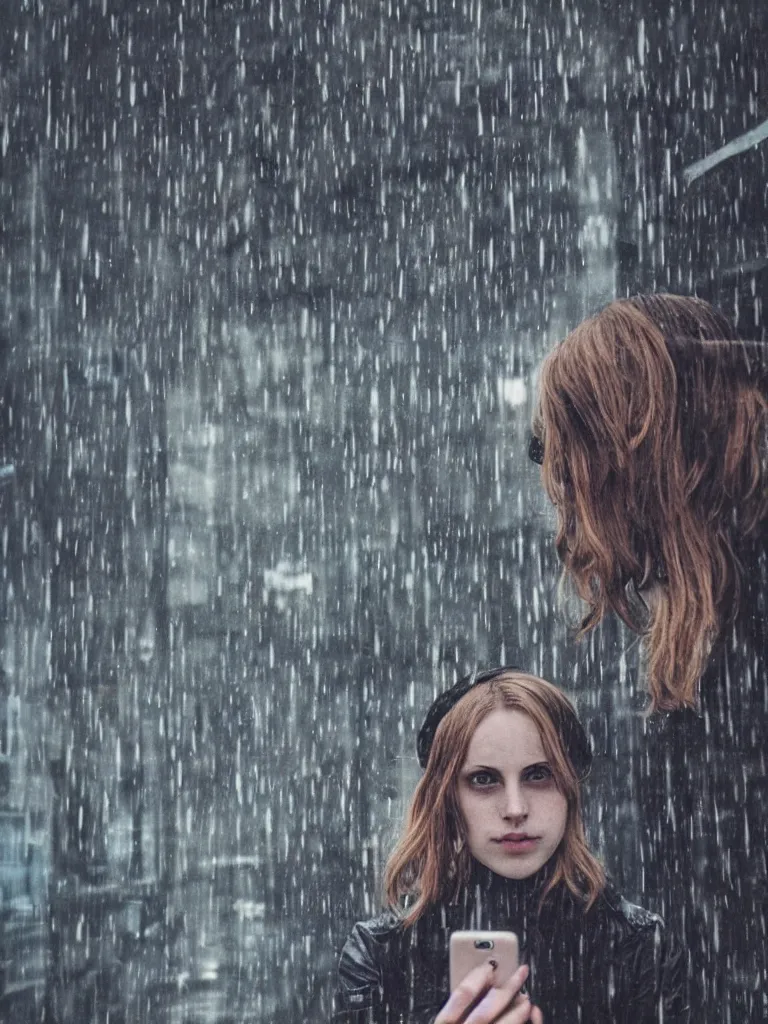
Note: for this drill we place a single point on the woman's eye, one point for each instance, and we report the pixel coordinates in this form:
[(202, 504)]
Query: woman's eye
[(482, 779), (539, 774)]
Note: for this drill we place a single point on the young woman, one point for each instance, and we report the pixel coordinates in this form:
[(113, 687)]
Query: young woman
[(652, 434), (494, 840)]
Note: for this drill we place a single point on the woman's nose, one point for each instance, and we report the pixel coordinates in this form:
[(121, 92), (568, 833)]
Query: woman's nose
[(515, 805)]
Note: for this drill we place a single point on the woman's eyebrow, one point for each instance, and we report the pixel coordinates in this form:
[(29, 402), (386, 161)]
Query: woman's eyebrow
[(490, 768)]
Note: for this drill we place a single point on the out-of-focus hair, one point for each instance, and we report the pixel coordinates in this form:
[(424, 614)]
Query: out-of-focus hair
[(652, 420), (431, 861)]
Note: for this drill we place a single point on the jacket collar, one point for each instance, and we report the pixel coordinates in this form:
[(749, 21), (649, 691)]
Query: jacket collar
[(490, 901)]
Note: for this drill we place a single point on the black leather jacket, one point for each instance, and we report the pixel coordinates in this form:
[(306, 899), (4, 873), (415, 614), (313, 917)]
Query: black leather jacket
[(614, 964)]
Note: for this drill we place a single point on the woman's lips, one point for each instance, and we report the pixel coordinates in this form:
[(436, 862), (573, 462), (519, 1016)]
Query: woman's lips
[(518, 844)]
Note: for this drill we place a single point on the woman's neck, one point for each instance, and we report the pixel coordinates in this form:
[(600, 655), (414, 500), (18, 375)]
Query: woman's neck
[(492, 901), (532, 885)]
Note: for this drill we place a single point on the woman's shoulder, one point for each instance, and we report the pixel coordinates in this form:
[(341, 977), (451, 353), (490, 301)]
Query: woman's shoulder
[(635, 939), (368, 946), (626, 916), (652, 965), (377, 929), (369, 959), (383, 945)]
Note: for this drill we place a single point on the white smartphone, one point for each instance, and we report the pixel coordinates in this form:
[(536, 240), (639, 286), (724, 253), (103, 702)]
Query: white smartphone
[(470, 949)]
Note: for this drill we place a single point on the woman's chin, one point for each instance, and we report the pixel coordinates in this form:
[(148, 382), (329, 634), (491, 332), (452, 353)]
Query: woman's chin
[(514, 866)]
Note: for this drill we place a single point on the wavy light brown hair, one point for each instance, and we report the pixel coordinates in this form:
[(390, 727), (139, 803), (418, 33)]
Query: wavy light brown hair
[(432, 862), (653, 420)]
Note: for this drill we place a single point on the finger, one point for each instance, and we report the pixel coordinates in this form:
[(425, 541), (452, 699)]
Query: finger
[(520, 1013), (536, 1016), (497, 1000), (468, 992), (515, 981)]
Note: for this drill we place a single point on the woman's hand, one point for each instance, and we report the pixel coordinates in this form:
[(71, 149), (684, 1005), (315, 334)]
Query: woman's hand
[(502, 1005)]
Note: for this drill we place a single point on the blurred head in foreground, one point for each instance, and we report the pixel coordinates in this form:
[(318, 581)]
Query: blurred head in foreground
[(651, 429)]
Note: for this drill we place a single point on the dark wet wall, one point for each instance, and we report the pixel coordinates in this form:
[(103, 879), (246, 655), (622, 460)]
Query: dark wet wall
[(276, 277)]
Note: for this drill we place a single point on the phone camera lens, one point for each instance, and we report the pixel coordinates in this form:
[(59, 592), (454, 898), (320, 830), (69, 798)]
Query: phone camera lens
[(483, 944)]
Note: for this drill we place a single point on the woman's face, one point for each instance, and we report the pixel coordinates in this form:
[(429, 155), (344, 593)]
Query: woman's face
[(513, 812)]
